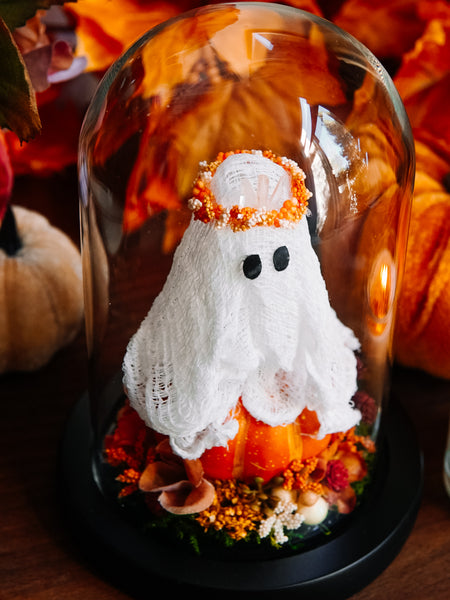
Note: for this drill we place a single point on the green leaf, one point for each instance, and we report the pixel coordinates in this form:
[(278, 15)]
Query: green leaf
[(18, 110), (16, 12)]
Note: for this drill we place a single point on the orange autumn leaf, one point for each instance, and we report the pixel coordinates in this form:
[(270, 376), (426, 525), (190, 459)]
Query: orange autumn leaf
[(423, 82), (178, 112), (387, 27), (154, 87), (430, 117), (373, 222), (105, 29), (427, 63), (157, 195), (431, 169), (309, 5)]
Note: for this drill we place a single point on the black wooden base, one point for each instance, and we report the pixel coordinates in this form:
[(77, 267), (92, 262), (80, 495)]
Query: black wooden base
[(338, 567)]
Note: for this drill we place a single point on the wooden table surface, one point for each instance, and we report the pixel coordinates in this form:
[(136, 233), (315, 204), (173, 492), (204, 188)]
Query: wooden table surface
[(38, 558)]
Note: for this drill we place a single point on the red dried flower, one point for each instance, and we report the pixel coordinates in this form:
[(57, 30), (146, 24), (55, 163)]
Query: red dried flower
[(367, 405), (337, 475)]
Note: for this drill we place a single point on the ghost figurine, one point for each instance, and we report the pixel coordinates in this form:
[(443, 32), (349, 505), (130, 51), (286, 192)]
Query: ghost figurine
[(244, 315)]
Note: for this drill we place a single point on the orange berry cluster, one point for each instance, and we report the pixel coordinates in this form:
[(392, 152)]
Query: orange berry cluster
[(233, 510), (300, 476), (130, 477), (207, 210)]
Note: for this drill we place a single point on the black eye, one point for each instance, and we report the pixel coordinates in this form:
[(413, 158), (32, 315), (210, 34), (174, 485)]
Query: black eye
[(252, 266), (281, 258)]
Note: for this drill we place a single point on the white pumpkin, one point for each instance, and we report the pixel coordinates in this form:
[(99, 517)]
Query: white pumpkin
[(41, 295)]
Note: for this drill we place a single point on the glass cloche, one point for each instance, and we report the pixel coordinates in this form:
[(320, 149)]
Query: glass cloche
[(245, 180)]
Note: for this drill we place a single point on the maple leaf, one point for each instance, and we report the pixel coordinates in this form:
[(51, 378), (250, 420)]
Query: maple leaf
[(387, 27), (423, 81), (102, 37), (191, 95)]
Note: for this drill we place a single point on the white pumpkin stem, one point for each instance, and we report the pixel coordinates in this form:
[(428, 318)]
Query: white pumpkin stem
[(10, 241)]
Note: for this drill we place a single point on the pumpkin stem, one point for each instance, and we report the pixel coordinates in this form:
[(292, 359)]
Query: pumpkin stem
[(10, 241)]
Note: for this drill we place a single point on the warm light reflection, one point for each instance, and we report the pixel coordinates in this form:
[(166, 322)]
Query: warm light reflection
[(381, 291), (385, 283)]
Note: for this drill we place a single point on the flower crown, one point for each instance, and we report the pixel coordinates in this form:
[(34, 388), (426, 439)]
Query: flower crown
[(240, 218)]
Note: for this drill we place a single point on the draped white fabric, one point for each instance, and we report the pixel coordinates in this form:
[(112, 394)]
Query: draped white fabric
[(214, 335)]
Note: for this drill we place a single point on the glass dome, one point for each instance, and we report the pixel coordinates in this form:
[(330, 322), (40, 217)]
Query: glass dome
[(245, 187)]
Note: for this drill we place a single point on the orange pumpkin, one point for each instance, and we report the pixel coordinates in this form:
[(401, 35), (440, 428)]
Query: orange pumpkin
[(259, 450)]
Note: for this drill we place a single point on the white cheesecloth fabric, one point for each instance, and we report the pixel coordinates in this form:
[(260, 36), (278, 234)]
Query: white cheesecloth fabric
[(251, 180), (213, 335)]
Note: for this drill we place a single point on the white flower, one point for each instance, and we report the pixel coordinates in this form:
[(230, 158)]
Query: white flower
[(285, 516)]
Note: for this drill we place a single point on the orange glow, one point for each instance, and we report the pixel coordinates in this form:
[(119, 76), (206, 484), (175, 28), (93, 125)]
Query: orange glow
[(384, 292), (380, 292)]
